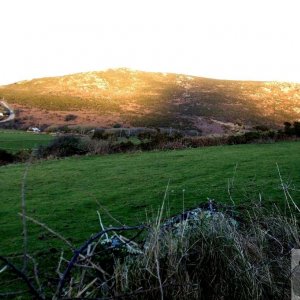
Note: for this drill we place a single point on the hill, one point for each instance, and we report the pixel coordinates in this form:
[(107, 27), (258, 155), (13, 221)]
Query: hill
[(136, 98)]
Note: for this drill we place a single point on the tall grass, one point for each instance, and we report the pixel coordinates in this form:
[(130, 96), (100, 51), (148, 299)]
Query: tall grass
[(234, 253), (241, 253)]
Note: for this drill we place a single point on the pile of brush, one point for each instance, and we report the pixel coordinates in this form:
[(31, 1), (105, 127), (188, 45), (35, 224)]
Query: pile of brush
[(211, 251), (204, 252)]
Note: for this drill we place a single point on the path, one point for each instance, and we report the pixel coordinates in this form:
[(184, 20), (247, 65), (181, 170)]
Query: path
[(11, 112)]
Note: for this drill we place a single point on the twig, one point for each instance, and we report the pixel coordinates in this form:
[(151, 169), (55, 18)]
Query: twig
[(87, 287), (105, 209), (79, 251), (156, 250), (59, 263), (36, 273), (101, 224), (284, 190), (24, 277), (231, 184), (49, 229), (23, 206), (9, 294)]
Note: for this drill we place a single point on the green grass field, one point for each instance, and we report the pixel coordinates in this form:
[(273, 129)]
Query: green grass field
[(15, 140), (65, 194)]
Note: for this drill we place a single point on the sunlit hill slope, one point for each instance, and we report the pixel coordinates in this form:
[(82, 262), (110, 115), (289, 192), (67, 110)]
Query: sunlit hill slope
[(135, 98)]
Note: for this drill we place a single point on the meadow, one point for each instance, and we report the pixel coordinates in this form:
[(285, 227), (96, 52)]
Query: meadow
[(16, 140), (65, 194)]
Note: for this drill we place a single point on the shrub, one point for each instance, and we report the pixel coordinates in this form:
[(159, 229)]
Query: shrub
[(110, 135), (196, 142), (271, 134), (172, 145), (123, 147), (98, 147), (261, 128), (236, 139), (252, 136), (288, 129), (210, 252), (23, 155), (6, 157), (146, 135), (98, 134), (70, 117), (63, 146), (297, 128)]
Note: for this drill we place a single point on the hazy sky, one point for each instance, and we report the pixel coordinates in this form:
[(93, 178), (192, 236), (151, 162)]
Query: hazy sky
[(231, 39)]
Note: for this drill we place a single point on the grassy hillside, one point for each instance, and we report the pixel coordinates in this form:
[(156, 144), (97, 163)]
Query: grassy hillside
[(152, 99), (65, 194), (12, 140)]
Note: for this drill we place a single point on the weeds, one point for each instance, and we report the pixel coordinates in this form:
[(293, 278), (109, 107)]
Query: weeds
[(217, 253)]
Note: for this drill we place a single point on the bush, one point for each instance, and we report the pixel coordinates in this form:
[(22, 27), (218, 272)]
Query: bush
[(195, 142), (236, 139), (6, 157), (70, 117), (63, 146), (261, 128), (288, 129), (123, 147), (210, 252), (23, 155), (297, 128), (98, 146), (98, 134), (146, 135), (252, 136)]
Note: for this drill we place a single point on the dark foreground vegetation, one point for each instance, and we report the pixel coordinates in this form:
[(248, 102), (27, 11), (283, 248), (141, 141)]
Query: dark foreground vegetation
[(211, 252)]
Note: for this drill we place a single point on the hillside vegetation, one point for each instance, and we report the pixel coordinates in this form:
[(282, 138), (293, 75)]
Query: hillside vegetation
[(135, 98)]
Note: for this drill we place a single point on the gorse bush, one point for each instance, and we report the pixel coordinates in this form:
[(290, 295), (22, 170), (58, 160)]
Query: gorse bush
[(6, 157), (63, 146), (292, 129), (297, 128), (70, 117)]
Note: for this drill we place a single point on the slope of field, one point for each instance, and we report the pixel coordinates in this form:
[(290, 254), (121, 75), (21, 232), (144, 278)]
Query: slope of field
[(136, 98), (65, 194), (13, 140)]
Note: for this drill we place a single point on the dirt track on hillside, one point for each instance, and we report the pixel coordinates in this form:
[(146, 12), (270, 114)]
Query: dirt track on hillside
[(11, 112)]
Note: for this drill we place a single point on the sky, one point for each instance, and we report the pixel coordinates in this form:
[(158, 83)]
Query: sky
[(227, 39)]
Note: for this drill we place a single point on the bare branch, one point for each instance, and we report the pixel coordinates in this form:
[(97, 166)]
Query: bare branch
[(24, 277), (79, 251), (49, 229)]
